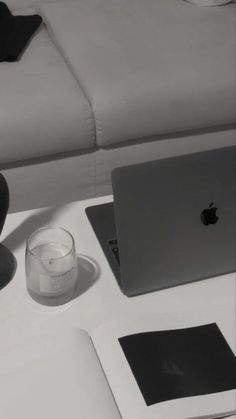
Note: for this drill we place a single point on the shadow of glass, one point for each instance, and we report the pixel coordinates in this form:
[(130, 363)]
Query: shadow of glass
[(88, 274), (8, 266), (32, 223)]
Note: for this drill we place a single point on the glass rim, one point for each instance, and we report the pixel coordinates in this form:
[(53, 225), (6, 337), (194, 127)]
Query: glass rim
[(49, 228)]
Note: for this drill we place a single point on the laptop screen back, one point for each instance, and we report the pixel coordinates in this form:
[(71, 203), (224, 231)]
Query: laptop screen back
[(176, 220)]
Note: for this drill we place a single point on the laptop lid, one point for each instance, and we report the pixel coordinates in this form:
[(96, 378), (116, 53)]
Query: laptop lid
[(176, 220)]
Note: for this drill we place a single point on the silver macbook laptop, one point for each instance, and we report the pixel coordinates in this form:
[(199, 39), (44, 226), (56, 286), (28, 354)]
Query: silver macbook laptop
[(175, 220)]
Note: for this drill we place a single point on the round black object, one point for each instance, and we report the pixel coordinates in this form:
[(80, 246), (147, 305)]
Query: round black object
[(4, 201), (7, 260), (7, 266)]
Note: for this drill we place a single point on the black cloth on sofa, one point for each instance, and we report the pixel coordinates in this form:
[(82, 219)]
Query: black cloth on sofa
[(15, 32)]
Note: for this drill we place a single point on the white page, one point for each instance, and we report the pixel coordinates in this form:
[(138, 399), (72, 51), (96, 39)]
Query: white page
[(123, 384), (55, 377)]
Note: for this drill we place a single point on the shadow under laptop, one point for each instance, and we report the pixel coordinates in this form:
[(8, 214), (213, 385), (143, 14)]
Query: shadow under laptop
[(88, 274), (8, 266)]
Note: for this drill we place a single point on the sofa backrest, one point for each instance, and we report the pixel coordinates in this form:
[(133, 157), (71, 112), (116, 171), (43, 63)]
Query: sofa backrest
[(24, 4)]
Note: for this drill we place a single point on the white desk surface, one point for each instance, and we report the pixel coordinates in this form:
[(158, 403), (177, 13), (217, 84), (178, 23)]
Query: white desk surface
[(99, 298)]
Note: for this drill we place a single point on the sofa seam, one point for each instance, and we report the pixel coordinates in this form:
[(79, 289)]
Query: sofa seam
[(89, 108)]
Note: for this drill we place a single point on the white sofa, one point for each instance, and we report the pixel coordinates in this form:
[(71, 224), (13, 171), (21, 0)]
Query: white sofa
[(110, 82)]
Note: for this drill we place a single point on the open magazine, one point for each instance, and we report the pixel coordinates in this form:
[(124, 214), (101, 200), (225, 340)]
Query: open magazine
[(138, 369)]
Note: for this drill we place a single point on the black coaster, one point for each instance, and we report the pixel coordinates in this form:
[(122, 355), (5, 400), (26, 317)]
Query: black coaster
[(7, 266)]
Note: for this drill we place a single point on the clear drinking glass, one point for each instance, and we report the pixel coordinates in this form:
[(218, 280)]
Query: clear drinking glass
[(51, 265)]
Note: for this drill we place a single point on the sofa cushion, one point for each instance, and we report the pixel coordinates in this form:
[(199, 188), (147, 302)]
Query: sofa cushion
[(149, 67), (15, 5), (42, 108)]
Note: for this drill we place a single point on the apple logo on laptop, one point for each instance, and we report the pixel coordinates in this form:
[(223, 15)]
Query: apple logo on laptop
[(208, 215)]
